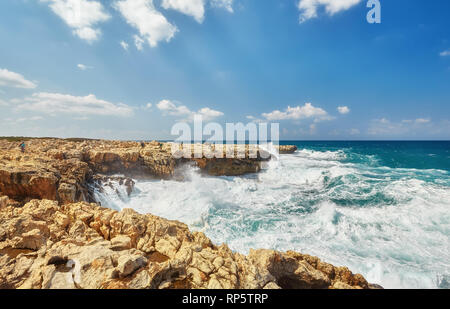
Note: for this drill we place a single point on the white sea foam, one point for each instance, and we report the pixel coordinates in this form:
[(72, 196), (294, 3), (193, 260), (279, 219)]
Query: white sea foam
[(391, 225)]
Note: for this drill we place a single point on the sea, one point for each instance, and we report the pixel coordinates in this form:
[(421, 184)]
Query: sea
[(380, 208)]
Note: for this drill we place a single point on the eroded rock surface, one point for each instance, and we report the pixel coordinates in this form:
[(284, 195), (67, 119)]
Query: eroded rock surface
[(62, 170), (48, 241), (45, 245)]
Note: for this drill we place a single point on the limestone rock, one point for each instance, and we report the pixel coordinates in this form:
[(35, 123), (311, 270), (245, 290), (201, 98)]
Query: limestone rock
[(65, 170), (82, 245), (127, 264), (3, 201), (287, 149)]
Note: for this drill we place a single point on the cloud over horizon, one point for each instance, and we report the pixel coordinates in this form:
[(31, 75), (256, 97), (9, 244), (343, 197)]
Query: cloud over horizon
[(177, 110), (56, 103), (297, 113), (386, 127)]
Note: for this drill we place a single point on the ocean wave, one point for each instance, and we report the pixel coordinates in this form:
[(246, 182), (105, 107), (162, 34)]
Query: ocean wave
[(390, 224)]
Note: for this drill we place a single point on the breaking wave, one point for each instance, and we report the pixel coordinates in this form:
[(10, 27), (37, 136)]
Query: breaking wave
[(390, 224)]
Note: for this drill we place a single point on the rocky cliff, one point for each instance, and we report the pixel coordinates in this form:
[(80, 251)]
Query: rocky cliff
[(52, 237), (45, 245), (61, 170)]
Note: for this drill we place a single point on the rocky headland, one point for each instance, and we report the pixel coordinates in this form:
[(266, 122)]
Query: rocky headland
[(54, 235)]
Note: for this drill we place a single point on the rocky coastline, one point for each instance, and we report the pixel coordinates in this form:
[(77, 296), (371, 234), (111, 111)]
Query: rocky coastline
[(54, 235)]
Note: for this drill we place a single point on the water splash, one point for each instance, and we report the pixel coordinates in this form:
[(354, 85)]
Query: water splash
[(390, 224)]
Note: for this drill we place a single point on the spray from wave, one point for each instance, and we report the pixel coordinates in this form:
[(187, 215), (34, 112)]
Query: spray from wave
[(390, 224)]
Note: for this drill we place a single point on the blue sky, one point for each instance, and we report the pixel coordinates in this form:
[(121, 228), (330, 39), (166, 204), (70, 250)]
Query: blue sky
[(130, 69)]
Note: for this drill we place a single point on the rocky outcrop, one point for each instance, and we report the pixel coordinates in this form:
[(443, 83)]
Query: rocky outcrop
[(45, 245), (63, 170), (48, 241), (287, 149)]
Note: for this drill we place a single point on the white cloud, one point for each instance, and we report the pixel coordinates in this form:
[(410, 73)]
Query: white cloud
[(298, 112), (343, 110), (138, 42), (384, 126), (177, 110), (15, 80), (209, 114), (84, 67), (3, 103), (445, 53), (194, 8), (225, 4), (151, 24), (82, 16), (54, 103), (124, 45), (308, 8)]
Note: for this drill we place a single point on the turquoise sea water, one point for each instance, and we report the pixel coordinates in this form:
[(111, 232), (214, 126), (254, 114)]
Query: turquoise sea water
[(380, 208)]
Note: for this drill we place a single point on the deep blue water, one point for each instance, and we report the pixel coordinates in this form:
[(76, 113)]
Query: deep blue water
[(393, 154)]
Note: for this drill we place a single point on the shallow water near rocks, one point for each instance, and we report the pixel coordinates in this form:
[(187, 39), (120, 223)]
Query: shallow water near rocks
[(380, 208)]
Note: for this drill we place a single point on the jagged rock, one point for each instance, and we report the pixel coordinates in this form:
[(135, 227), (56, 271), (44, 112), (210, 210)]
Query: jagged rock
[(128, 264), (63, 170), (56, 243), (82, 245), (121, 242)]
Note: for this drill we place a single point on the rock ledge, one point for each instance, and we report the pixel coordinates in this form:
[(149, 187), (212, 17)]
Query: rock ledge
[(81, 245)]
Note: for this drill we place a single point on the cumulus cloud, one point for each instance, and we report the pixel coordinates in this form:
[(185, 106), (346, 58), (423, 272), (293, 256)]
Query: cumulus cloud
[(194, 8), (343, 110), (170, 108), (15, 80), (83, 16), (445, 53), (297, 113), (151, 24), (124, 45), (308, 8), (55, 103)]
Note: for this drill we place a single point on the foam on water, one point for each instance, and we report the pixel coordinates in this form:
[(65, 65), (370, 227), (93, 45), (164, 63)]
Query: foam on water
[(390, 224)]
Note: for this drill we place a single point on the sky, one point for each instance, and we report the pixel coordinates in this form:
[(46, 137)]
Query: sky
[(131, 69)]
